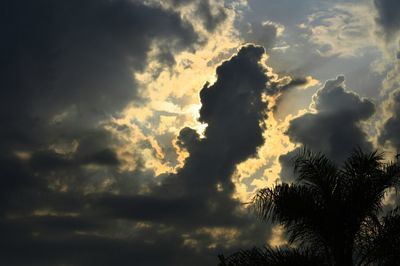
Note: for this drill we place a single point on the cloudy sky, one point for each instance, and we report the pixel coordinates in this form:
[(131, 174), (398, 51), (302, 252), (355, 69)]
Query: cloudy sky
[(133, 132)]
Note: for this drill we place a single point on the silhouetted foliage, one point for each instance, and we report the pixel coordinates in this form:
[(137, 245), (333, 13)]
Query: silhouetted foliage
[(333, 213), (272, 257)]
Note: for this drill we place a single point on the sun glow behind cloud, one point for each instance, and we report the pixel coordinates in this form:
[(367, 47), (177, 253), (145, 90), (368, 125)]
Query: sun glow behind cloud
[(172, 101)]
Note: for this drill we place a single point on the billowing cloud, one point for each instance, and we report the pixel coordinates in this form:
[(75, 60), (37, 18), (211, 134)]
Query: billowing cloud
[(234, 111), (334, 127)]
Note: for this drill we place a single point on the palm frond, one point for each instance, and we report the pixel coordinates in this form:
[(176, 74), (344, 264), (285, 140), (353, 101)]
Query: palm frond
[(315, 170), (297, 207), (333, 213), (283, 203), (364, 182), (272, 257), (384, 248)]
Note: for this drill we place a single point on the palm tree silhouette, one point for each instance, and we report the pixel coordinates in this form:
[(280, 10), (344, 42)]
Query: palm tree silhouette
[(332, 215)]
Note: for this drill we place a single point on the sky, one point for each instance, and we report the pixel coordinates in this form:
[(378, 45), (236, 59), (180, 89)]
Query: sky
[(135, 132)]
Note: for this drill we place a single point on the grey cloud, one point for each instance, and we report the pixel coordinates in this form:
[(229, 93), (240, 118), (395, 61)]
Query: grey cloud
[(388, 16), (334, 98), (264, 34), (334, 128), (210, 14), (210, 20)]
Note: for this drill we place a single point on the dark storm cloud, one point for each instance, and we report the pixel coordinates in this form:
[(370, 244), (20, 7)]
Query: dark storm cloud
[(67, 66), (391, 129), (388, 16), (234, 111), (73, 61), (334, 128)]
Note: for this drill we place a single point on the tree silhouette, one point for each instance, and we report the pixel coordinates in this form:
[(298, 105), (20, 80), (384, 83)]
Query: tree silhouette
[(332, 215), (272, 257)]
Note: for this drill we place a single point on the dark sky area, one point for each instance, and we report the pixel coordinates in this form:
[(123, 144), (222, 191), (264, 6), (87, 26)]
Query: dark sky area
[(133, 132)]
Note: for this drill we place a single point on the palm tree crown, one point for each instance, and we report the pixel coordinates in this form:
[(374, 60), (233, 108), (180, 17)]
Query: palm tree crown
[(332, 215)]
